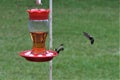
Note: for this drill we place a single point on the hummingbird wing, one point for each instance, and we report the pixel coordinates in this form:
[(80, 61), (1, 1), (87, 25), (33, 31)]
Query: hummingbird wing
[(60, 48)]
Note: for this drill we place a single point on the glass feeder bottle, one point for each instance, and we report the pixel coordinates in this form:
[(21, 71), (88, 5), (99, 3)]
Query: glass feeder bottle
[(38, 26)]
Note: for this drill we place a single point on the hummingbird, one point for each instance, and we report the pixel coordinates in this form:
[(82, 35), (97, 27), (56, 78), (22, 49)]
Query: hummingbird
[(60, 48), (89, 37)]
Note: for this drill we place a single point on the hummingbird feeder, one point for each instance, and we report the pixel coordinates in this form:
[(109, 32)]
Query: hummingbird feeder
[(38, 26)]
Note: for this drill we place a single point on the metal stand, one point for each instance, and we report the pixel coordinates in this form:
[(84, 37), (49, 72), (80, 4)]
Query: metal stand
[(50, 33)]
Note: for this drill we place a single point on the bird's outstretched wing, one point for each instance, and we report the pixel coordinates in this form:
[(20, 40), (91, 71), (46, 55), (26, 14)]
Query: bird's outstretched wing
[(60, 48), (89, 37)]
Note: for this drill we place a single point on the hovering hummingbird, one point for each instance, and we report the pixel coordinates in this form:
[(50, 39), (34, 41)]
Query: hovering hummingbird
[(60, 48), (89, 37)]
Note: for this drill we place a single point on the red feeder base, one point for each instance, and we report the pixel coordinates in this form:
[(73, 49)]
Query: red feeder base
[(47, 56)]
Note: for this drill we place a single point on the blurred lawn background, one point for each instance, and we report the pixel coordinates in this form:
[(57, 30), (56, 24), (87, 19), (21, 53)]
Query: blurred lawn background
[(79, 60)]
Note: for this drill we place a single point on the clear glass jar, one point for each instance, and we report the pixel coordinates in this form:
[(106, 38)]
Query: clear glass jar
[(38, 26), (38, 31)]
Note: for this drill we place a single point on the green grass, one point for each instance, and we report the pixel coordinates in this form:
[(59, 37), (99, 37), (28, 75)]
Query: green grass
[(79, 60)]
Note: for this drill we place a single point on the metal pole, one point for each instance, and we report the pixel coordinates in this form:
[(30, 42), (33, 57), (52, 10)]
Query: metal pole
[(50, 33)]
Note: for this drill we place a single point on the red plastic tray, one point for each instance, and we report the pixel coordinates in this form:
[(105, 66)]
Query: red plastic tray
[(47, 56)]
